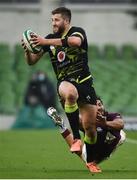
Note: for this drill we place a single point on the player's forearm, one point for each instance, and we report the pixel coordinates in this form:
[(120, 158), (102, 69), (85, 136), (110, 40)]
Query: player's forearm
[(115, 124), (70, 41), (53, 42), (32, 58)]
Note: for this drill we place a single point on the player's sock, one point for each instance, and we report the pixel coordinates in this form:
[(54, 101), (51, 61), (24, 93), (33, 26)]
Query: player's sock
[(90, 152), (89, 141), (90, 147), (65, 133), (72, 113)]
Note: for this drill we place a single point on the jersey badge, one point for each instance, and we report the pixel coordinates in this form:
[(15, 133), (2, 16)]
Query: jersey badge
[(61, 56)]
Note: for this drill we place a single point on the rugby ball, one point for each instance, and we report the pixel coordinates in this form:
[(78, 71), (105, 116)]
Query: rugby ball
[(31, 47)]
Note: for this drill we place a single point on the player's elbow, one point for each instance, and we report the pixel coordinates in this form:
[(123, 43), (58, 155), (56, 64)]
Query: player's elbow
[(121, 124), (30, 63), (33, 60)]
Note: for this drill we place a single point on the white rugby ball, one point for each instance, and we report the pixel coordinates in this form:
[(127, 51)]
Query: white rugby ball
[(31, 47)]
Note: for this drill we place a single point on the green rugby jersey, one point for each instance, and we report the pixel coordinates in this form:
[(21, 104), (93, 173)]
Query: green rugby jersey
[(70, 62)]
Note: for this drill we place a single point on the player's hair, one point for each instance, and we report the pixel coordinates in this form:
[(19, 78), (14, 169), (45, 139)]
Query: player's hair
[(99, 98), (65, 12)]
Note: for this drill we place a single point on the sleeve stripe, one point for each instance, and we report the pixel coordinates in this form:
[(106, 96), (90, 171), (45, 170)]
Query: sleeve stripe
[(78, 33)]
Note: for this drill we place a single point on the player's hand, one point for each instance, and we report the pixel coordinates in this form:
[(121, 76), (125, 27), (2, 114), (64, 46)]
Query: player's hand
[(24, 46), (101, 121), (37, 40)]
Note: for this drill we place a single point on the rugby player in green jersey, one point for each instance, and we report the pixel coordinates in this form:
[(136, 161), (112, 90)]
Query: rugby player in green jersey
[(68, 50)]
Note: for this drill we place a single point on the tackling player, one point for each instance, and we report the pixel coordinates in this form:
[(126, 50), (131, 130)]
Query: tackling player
[(109, 131)]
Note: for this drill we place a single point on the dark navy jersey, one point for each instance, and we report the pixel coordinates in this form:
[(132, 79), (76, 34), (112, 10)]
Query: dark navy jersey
[(106, 139), (69, 62)]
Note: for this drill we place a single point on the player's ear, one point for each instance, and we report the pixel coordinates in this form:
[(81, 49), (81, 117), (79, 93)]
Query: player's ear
[(66, 20)]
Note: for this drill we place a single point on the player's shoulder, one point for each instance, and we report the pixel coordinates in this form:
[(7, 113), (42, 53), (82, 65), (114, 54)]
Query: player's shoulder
[(76, 28), (77, 31)]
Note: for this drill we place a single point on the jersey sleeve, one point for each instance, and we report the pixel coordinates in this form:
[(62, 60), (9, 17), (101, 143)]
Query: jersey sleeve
[(112, 116), (79, 32)]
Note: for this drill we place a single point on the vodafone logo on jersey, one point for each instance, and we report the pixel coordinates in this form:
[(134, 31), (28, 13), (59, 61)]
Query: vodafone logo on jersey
[(61, 56)]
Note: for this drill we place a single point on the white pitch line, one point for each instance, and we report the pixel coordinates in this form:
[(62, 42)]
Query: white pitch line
[(133, 141)]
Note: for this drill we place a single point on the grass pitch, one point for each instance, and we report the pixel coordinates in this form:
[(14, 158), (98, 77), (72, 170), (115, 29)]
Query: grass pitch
[(43, 154)]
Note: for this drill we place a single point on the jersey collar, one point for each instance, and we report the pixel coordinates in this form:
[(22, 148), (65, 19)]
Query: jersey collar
[(65, 33)]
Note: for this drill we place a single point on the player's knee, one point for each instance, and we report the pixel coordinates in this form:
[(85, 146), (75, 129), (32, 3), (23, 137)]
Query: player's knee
[(68, 91), (71, 96)]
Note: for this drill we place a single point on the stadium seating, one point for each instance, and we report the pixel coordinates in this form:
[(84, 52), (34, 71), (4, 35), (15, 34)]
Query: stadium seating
[(115, 82), (7, 80), (7, 98), (110, 52), (94, 51), (113, 69), (129, 51)]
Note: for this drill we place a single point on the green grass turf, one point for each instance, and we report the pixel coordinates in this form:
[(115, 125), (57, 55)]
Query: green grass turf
[(43, 154)]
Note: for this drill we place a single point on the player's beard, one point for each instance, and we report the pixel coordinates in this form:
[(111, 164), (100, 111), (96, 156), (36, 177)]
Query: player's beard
[(60, 30)]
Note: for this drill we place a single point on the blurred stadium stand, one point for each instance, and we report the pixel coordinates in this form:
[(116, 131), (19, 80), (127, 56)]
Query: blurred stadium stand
[(114, 70), (19, 1), (115, 81), (101, 1), (101, 4)]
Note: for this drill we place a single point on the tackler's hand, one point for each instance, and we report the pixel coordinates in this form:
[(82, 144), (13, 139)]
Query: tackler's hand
[(101, 121)]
